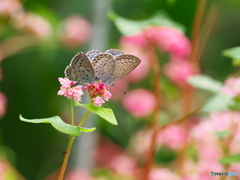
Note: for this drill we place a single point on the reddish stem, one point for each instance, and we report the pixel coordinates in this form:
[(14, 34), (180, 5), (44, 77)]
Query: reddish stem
[(157, 94)]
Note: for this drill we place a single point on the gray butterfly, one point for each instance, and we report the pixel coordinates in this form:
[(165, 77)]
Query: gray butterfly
[(108, 67)]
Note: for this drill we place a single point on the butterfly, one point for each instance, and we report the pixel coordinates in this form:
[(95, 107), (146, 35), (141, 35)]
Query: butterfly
[(107, 67)]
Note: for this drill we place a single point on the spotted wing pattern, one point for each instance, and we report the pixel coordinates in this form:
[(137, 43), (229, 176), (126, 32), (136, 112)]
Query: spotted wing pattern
[(80, 69), (91, 54), (103, 65), (124, 65)]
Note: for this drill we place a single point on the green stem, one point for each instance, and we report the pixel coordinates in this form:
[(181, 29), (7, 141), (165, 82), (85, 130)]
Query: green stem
[(64, 165), (84, 119), (72, 111), (85, 116)]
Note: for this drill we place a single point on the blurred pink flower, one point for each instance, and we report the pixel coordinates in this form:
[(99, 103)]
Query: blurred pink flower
[(232, 87), (76, 31), (33, 23), (3, 102), (178, 71), (9, 7), (136, 45), (78, 174), (226, 120), (107, 151), (139, 102), (169, 40), (173, 136), (138, 40), (68, 91), (123, 164), (162, 174), (140, 142), (98, 92)]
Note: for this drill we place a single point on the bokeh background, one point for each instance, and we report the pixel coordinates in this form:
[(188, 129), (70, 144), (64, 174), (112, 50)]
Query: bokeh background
[(38, 38)]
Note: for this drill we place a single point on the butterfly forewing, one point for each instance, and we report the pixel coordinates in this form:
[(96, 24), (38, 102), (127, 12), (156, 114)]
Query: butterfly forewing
[(124, 65), (103, 65), (80, 69)]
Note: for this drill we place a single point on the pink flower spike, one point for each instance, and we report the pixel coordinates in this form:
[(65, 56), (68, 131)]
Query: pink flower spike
[(98, 101)]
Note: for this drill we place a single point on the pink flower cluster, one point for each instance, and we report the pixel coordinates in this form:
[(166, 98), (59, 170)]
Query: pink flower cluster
[(68, 91), (231, 87), (166, 39), (97, 91)]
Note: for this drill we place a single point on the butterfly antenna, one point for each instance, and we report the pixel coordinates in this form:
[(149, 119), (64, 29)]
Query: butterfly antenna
[(121, 88)]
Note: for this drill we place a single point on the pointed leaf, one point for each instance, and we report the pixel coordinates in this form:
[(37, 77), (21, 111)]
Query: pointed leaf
[(205, 82), (233, 53), (87, 129), (57, 123), (105, 113), (219, 102), (129, 27), (230, 159)]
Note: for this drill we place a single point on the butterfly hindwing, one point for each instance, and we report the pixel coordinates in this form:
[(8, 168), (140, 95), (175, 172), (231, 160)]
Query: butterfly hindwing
[(80, 69), (124, 65)]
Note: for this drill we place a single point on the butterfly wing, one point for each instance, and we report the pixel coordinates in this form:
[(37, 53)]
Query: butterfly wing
[(125, 64), (114, 52), (91, 54), (103, 65), (80, 69)]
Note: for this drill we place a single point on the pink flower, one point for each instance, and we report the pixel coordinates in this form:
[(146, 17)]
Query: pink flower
[(3, 102), (9, 7), (98, 101), (138, 40), (123, 164), (136, 45), (162, 174), (77, 174), (224, 121), (231, 87), (68, 91), (76, 31), (169, 40), (178, 71), (139, 102), (34, 24), (98, 92), (173, 136)]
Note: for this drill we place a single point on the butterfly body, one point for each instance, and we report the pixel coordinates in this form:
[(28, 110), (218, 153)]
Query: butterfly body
[(107, 67)]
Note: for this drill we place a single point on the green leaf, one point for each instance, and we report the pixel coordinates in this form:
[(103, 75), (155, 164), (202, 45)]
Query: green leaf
[(221, 134), (205, 82), (105, 113), (233, 53), (87, 129), (129, 27), (219, 102), (230, 159), (58, 124)]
